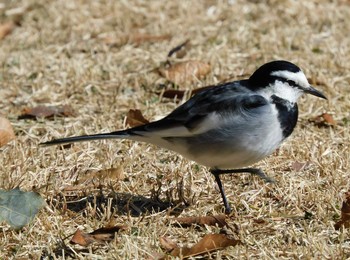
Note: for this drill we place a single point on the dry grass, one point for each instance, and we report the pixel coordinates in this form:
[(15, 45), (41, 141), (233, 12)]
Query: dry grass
[(57, 57)]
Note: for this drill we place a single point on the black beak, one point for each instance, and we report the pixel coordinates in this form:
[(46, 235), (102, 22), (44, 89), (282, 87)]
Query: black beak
[(311, 90)]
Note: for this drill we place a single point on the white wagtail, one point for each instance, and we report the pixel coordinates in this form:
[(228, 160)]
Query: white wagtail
[(229, 126)]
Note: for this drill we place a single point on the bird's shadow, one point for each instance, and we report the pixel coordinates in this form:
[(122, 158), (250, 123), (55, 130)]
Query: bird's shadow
[(119, 203), (96, 205)]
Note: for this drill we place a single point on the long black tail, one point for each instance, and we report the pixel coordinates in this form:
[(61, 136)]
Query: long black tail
[(112, 135)]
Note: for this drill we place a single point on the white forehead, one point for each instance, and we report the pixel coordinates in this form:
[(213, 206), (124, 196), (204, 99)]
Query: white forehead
[(298, 77)]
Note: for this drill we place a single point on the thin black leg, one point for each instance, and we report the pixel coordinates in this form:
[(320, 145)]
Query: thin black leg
[(221, 188), (218, 172)]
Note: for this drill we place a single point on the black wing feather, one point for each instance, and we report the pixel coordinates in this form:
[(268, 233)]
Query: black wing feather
[(226, 98)]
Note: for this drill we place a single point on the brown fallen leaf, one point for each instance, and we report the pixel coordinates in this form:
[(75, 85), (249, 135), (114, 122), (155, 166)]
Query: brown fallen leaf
[(219, 220), (6, 131), (324, 119), (111, 173), (46, 112), (329, 119), (299, 166), (180, 50), (82, 238), (185, 72), (101, 235), (114, 174), (135, 118), (208, 243), (167, 244), (107, 233), (6, 29), (345, 213), (135, 38)]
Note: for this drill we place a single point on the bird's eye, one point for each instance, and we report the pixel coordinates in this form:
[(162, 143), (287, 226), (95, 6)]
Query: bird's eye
[(292, 83), (289, 81)]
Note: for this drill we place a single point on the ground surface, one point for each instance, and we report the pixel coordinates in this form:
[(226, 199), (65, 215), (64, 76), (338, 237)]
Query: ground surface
[(59, 56)]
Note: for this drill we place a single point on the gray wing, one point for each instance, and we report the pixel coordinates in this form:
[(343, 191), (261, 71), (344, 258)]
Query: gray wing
[(205, 111)]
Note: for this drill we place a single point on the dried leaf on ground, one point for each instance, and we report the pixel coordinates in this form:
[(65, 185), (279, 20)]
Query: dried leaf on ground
[(135, 118), (6, 29), (18, 207), (180, 50), (167, 244), (299, 166), (82, 238), (329, 119), (114, 174), (111, 174), (345, 213), (324, 119), (101, 235), (209, 243), (219, 220), (46, 112), (6, 131), (185, 72), (135, 38)]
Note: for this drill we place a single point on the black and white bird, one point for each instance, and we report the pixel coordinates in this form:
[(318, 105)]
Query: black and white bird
[(227, 127)]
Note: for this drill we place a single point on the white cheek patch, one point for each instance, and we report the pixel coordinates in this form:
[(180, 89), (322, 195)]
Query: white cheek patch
[(281, 90), (286, 92)]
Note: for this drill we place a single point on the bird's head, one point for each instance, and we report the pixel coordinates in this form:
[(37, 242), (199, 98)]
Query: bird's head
[(283, 79)]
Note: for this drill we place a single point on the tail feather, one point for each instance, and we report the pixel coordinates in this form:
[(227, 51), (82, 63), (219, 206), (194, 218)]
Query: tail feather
[(74, 139)]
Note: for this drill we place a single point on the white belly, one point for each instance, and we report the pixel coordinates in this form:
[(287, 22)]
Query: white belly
[(237, 143)]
